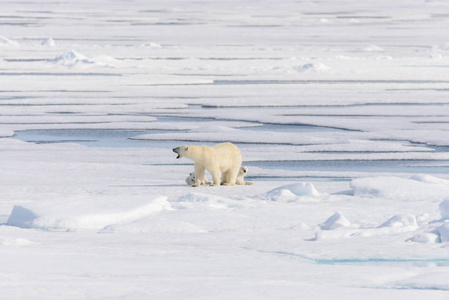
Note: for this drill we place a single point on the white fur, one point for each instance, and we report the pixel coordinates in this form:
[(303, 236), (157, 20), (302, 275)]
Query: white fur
[(222, 161), (242, 172), (191, 179)]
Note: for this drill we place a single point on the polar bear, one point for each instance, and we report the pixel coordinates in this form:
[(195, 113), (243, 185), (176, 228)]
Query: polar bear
[(242, 172), (221, 161), (191, 179)]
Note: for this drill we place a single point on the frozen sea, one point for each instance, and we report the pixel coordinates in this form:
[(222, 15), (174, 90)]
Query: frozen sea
[(340, 109)]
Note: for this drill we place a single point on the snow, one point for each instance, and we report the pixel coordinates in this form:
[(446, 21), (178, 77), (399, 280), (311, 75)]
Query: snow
[(89, 214), (444, 209), (401, 221), (312, 67), (337, 220), (49, 42), (402, 189), (7, 42), (293, 192), (443, 232), (339, 108)]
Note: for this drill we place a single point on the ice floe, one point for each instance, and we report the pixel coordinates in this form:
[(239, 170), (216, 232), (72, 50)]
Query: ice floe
[(335, 105)]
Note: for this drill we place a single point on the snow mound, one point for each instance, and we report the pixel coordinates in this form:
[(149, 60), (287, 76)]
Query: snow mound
[(85, 214), (440, 51), (312, 67), (439, 235), (7, 42), (105, 60), (152, 45), (17, 242), (72, 58), (402, 189), (337, 226), (291, 192), (444, 46), (402, 220), (444, 209), (429, 179), (373, 48), (441, 47), (443, 231), (425, 238), (336, 221), (49, 42)]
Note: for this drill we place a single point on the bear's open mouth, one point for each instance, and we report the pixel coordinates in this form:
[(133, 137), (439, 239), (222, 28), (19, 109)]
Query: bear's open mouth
[(176, 151)]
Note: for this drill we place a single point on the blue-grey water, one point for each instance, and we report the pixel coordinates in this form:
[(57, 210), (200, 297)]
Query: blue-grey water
[(122, 138)]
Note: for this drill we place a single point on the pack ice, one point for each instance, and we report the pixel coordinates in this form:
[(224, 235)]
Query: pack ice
[(339, 108)]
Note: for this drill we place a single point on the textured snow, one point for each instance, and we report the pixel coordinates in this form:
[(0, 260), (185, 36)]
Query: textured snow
[(444, 209), (337, 220), (292, 192), (340, 109), (402, 189), (94, 213)]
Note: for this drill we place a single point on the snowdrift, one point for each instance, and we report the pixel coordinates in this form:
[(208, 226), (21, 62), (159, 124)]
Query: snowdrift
[(416, 188), (7, 42), (293, 192), (93, 213), (139, 214), (72, 58)]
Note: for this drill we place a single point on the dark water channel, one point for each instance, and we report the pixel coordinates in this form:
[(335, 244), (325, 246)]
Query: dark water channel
[(123, 138)]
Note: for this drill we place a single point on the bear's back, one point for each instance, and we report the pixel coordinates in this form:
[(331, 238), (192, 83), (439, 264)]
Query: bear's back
[(228, 152)]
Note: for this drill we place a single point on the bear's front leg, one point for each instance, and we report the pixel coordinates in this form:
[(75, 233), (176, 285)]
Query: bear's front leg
[(216, 178)]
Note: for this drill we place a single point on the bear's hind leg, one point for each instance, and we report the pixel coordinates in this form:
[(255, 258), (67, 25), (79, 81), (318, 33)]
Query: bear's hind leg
[(230, 177)]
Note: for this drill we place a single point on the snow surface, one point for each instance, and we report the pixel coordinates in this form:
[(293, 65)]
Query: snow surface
[(340, 109)]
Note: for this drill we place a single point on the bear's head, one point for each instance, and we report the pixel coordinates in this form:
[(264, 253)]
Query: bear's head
[(243, 170), (181, 150)]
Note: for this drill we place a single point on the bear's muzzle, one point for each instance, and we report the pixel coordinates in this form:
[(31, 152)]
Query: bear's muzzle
[(176, 150)]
